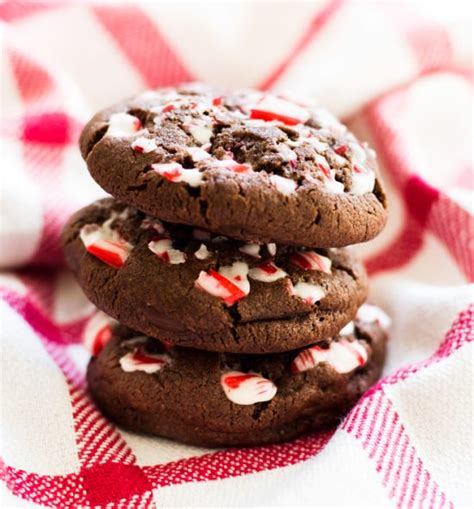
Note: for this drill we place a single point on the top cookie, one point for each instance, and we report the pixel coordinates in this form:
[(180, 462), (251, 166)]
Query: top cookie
[(247, 165)]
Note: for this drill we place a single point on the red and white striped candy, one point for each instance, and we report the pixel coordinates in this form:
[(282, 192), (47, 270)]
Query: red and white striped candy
[(370, 314), (144, 145), (232, 165), (105, 244), (251, 249), (97, 332), (163, 248), (247, 388), (267, 272), (123, 124), (230, 283), (344, 356), (308, 292), (283, 185), (174, 172), (310, 260), (140, 361), (274, 108)]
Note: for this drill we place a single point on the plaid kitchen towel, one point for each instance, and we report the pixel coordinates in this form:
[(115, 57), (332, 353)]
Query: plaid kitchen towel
[(404, 83)]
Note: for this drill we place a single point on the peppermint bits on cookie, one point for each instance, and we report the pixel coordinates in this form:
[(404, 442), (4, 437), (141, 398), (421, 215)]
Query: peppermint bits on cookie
[(247, 388)]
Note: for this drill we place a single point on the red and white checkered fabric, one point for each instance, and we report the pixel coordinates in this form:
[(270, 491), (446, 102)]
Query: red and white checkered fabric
[(402, 82)]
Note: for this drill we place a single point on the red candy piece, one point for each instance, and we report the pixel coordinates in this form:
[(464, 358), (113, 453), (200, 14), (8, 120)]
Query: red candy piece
[(234, 381), (268, 267), (168, 107), (341, 150), (217, 101), (110, 252), (101, 338)]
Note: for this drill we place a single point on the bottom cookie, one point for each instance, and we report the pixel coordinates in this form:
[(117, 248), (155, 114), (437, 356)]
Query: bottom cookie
[(217, 399)]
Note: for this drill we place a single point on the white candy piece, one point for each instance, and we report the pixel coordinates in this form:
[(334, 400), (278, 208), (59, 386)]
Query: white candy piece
[(363, 180), (198, 154), (272, 248), (347, 330), (283, 185), (164, 249), (144, 145), (287, 153), (247, 388), (149, 363), (123, 124), (370, 314), (200, 131), (174, 172), (251, 250), (155, 224), (202, 253), (267, 272), (344, 356), (97, 332), (309, 292)]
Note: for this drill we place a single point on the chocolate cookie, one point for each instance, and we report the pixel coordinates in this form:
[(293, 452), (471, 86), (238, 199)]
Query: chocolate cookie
[(252, 166), (220, 399), (195, 289)]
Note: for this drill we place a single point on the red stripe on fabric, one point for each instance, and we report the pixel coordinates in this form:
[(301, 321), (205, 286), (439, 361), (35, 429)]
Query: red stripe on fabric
[(393, 456), (14, 11), (428, 40), (380, 434), (34, 82), (406, 479), (142, 43), (318, 22), (376, 407), (420, 197)]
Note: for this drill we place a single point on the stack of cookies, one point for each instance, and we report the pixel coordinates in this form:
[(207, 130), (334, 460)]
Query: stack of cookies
[(238, 316)]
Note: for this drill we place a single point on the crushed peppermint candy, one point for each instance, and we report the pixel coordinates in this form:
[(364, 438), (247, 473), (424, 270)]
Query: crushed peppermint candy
[(198, 154), (310, 260), (144, 145), (267, 272), (200, 131), (274, 108), (174, 172), (202, 253), (272, 249), (163, 248), (251, 249), (343, 356), (247, 388), (283, 185), (363, 180), (308, 292), (347, 330), (153, 224), (232, 165), (123, 124), (229, 283), (98, 332), (140, 361), (105, 243)]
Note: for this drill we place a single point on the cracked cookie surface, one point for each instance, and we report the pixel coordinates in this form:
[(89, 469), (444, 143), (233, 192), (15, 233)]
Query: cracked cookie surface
[(248, 165), (221, 399), (196, 289)]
